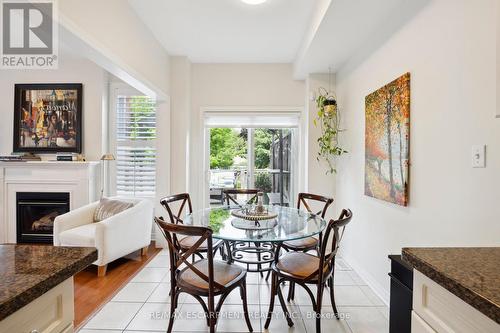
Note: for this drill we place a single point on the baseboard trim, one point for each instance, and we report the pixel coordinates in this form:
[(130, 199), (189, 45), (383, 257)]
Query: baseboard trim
[(377, 288)]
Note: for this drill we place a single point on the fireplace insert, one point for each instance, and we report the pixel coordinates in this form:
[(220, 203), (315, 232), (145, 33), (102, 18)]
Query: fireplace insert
[(36, 212)]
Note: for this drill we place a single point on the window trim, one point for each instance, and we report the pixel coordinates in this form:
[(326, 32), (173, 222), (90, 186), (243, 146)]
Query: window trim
[(117, 89)]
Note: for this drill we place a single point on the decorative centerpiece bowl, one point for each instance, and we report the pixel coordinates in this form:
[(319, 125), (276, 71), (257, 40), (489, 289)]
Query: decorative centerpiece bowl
[(254, 213)]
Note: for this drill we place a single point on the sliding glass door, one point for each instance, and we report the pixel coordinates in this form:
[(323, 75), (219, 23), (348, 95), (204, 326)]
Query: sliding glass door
[(261, 158)]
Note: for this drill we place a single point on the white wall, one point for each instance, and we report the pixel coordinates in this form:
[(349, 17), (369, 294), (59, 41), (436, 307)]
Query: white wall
[(111, 34), (449, 49), (232, 85), (498, 59), (180, 87), (71, 70), (318, 181)]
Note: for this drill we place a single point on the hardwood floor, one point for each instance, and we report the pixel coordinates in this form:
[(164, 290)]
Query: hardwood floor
[(92, 292)]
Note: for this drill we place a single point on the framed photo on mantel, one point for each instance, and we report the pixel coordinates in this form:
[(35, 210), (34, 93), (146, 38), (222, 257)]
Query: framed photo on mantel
[(48, 118)]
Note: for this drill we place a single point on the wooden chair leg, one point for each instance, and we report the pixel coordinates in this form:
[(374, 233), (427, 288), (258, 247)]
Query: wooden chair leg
[(290, 291), (211, 312), (319, 302), (283, 305), (173, 306), (245, 304), (271, 303), (332, 299), (144, 251), (101, 270)]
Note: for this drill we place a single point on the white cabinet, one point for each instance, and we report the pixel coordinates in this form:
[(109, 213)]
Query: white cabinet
[(53, 312), (435, 309), (418, 325)]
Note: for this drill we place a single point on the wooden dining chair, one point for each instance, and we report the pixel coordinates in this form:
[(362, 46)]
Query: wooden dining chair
[(306, 269), (202, 278), (231, 196), (182, 203), (308, 243)]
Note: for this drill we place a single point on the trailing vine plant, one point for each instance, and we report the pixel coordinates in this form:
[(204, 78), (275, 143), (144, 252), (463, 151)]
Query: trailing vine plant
[(328, 120)]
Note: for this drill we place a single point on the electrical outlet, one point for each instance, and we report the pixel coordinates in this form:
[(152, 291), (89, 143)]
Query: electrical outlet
[(478, 156)]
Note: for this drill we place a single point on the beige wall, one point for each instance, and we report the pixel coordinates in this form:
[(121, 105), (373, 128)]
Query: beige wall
[(236, 85), (71, 70), (449, 49)]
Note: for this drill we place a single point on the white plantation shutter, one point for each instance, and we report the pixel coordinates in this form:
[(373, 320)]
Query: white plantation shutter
[(135, 146)]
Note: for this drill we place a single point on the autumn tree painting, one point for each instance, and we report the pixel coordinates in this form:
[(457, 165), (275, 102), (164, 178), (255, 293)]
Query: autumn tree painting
[(387, 112)]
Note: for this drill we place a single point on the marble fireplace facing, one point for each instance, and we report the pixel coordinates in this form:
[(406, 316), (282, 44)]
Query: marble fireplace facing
[(33, 193)]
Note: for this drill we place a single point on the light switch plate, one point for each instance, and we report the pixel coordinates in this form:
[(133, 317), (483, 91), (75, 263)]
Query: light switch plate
[(478, 156)]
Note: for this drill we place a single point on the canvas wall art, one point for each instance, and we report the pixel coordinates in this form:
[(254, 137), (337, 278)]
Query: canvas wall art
[(387, 133), (48, 118)]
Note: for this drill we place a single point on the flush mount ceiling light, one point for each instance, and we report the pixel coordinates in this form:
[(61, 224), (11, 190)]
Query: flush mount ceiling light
[(253, 2)]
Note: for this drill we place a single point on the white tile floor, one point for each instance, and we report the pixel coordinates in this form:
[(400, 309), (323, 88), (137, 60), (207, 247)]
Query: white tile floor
[(143, 305)]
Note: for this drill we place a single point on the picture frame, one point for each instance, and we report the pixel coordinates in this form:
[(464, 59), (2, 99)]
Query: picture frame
[(48, 118)]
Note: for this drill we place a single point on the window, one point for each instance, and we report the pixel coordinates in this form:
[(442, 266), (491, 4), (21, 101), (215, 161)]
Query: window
[(135, 145), (248, 148)]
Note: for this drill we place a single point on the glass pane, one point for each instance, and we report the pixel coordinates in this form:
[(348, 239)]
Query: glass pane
[(228, 162), (273, 164)]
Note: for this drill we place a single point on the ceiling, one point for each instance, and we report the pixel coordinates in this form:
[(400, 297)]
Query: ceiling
[(314, 35), (228, 31)]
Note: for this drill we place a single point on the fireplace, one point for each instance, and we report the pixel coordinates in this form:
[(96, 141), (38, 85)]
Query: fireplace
[(36, 212)]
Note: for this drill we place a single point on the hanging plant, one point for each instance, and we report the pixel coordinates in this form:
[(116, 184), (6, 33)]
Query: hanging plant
[(328, 120)]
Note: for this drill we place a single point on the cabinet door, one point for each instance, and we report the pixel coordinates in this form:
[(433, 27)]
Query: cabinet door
[(50, 313), (444, 311), (418, 325)]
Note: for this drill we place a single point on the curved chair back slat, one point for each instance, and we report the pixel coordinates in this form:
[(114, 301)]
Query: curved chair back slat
[(305, 197), (184, 202), (231, 195)]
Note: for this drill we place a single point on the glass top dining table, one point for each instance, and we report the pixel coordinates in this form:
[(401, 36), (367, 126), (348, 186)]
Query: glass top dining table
[(289, 224)]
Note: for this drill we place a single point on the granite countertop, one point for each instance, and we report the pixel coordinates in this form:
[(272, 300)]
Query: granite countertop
[(29, 271), (471, 273)]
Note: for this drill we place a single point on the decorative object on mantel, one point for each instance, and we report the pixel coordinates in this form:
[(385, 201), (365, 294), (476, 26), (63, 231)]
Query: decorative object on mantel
[(387, 136), (20, 158), (328, 119), (48, 118), (105, 158)]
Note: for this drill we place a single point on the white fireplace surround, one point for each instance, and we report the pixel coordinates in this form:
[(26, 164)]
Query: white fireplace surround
[(79, 179)]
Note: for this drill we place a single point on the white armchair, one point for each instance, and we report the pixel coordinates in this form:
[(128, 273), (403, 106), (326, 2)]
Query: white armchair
[(115, 237)]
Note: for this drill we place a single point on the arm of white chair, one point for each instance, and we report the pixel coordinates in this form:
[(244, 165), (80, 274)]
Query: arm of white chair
[(124, 232), (73, 219)]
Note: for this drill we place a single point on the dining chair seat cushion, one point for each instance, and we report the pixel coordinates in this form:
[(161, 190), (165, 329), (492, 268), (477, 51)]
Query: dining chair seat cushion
[(301, 244), (298, 264), (224, 274), (189, 241)]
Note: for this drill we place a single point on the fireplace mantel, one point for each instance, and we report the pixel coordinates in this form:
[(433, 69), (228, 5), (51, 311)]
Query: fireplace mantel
[(79, 179)]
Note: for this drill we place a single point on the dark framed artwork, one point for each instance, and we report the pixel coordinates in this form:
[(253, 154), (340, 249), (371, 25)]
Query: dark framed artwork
[(48, 118)]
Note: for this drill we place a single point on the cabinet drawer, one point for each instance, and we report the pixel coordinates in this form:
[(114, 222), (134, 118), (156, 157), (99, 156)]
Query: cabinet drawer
[(53, 312), (445, 312)]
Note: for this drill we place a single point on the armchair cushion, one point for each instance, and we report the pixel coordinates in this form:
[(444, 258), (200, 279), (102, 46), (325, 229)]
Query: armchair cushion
[(79, 236), (108, 208)]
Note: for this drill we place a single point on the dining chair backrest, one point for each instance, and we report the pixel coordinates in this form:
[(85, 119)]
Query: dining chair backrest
[(327, 261), (231, 196), (171, 231), (304, 198), (175, 206)]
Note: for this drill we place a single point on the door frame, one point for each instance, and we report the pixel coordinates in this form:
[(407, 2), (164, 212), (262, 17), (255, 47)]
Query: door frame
[(299, 162)]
